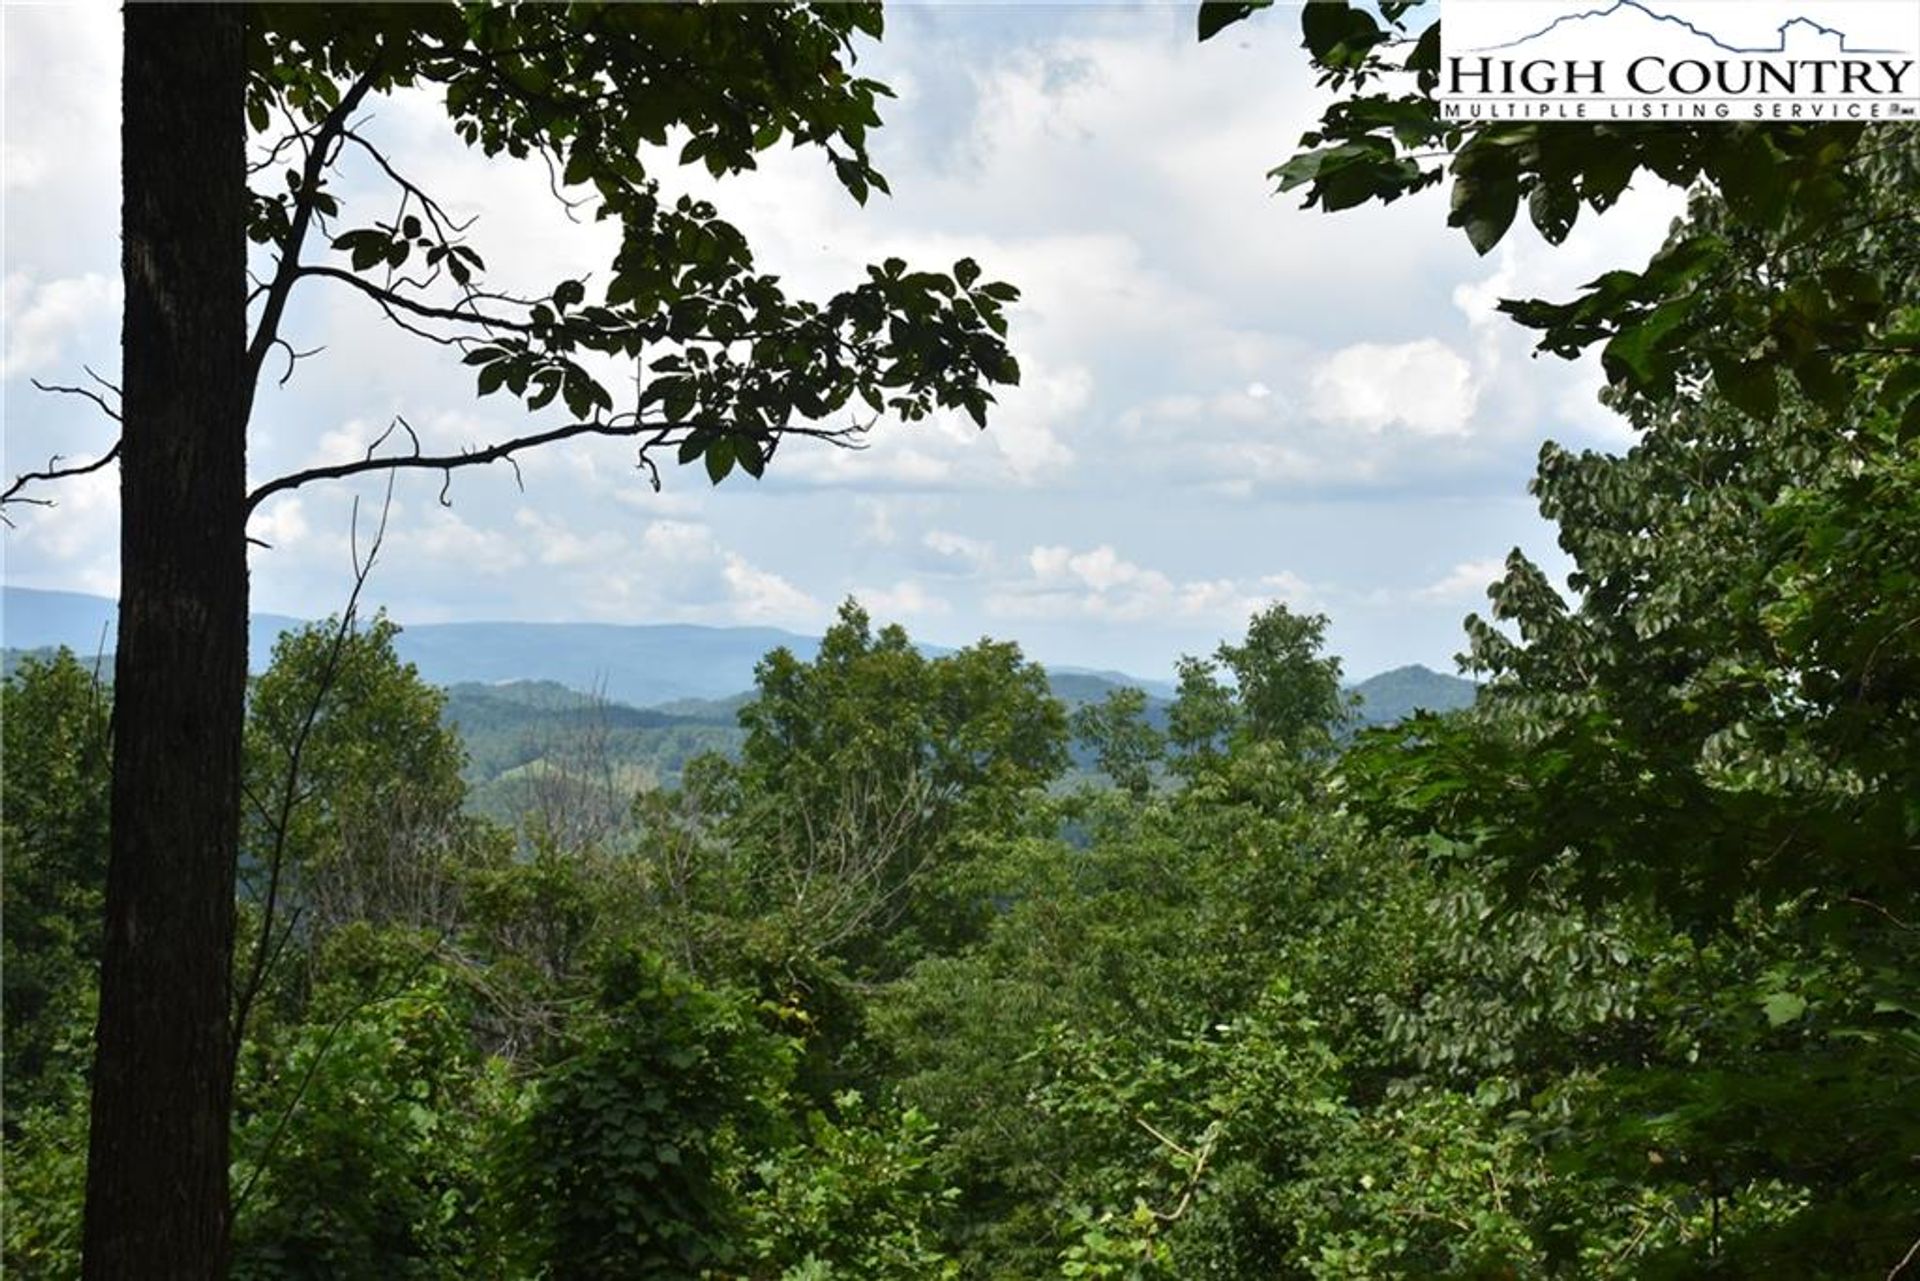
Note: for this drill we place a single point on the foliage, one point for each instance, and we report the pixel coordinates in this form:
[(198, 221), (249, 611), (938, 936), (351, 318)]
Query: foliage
[(354, 781), (55, 715), (617, 1166), (1125, 744), (40, 1199), (1716, 737), (361, 1129), (857, 1198), (1283, 692), (866, 776), (1608, 972), (1215, 1028)]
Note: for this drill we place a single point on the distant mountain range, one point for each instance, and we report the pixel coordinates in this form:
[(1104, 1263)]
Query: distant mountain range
[(640, 666), (673, 684)]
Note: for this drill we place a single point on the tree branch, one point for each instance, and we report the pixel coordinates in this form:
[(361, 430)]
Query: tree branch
[(54, 471), (624, 427), (390, 300), (289, 268), (444, 225)]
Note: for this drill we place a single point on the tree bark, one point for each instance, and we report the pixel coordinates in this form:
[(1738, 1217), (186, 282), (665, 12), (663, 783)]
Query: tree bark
[(156, 1194)]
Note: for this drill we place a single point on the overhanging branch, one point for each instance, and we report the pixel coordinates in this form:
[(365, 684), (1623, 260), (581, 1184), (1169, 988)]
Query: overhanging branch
[(654, 434)]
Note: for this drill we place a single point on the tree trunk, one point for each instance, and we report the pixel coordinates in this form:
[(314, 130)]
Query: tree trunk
[(162, 1088)]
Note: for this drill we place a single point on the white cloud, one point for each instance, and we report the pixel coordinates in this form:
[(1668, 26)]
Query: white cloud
[(282, 522), (905, 599), (760, 596), (946, 552), (39, 318), (459, 547), (1026, 424), (1424, 386), (1175, 317), (555, 544), (676, 557), (891, 460), (1466, 581), (679, 569), (878, 530), (1099, 584), (82, 525)]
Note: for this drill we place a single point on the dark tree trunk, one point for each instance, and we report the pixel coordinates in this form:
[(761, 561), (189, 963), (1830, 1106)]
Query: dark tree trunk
[(157, 1161)]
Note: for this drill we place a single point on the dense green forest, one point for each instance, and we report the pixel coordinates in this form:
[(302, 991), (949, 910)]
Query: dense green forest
[(1614, 973)]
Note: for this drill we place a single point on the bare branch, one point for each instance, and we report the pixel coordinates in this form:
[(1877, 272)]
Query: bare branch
[(85, 393), (110, 386), (444, 224), (1912, 1251), (53, 471), (295, 357), (569, 204)]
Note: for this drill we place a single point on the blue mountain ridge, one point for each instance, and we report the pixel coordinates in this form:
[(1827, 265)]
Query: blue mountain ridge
[(638, 665), (641, 665)]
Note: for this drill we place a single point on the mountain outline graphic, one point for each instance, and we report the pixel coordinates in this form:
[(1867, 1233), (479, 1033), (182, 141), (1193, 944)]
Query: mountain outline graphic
[(1675, 20)]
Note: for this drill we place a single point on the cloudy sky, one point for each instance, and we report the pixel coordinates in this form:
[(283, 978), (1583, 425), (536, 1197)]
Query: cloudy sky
[(1227, 400)]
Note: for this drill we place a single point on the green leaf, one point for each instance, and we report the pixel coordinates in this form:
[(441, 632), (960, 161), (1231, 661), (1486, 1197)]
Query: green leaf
[(677, 399), (1783, 1007), (548, 381), (1217, 15), (577, 390), (1335, 32), (720, 459), (1821, 383), (1750, 385), (1553, 207), (1486, 194), (1640, 353)]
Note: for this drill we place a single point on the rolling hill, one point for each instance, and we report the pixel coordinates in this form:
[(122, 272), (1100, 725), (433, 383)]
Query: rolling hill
[(659, 694)]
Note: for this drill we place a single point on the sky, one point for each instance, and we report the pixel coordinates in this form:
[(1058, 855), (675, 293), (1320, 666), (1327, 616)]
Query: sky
[(1227, 400)]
